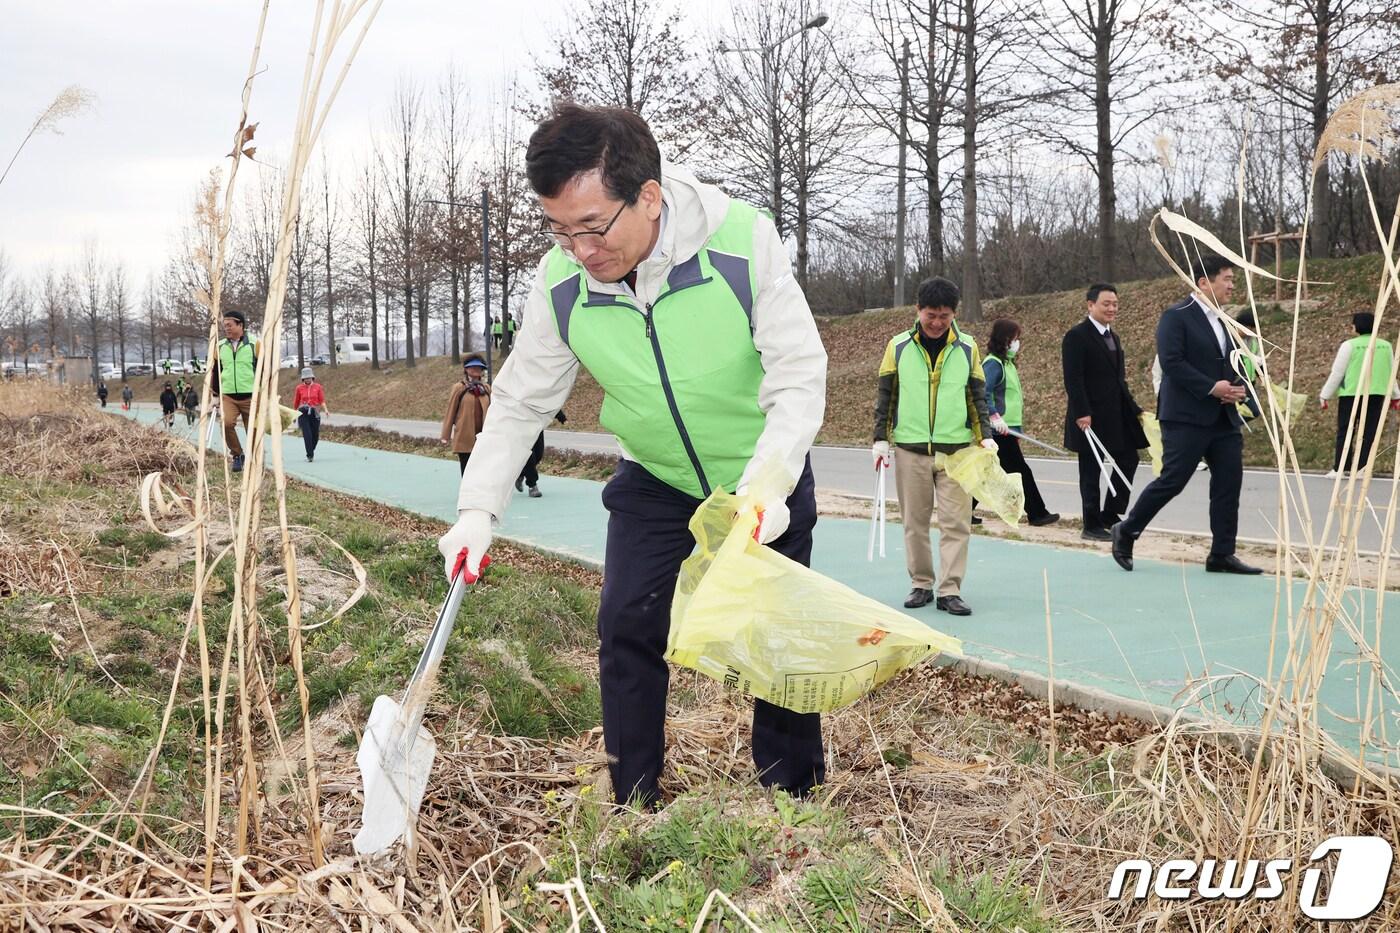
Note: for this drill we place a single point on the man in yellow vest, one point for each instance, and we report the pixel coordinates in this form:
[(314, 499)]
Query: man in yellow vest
[(235, 361), (1346, 385), (681, 303), (932, 399)]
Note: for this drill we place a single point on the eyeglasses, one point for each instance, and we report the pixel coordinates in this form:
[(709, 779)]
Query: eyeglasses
[(592, 237)]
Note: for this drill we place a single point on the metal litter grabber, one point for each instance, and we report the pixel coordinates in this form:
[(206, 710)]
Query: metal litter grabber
[(1107, 465), (877, 514), (396, 753)]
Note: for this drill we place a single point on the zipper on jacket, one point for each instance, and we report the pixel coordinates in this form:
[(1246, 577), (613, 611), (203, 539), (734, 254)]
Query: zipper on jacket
[(671, 397)]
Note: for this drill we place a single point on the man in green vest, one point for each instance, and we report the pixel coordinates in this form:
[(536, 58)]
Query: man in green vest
[(932, 399), (1347, 385), (235, 359), (681, 303)]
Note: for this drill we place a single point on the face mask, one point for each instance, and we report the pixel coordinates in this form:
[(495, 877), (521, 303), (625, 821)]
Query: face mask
[(1016, 345)]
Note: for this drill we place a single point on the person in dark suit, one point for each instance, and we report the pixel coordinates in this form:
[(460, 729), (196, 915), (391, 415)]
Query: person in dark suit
[(1197, 409), (1099, 397)]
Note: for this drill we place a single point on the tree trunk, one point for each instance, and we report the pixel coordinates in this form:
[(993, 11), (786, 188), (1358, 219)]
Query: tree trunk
[(1103, 103), (330, 295), (456, 313), (971, 290), (932, 160), (423, 316), (1322, 77)]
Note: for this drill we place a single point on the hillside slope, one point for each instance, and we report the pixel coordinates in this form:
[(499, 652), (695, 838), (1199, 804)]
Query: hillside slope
[(854, 344)]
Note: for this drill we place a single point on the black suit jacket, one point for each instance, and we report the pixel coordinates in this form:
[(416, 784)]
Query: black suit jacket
[(1191, 366), (1097, 386)]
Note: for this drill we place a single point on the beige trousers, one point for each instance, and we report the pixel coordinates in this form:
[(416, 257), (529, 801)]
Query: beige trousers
[(231, 410), (919, 485)]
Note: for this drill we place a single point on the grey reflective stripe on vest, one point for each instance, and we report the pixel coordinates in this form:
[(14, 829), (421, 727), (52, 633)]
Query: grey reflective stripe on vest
[(563, 296), (735, 271), (686, 274), (899, 349)]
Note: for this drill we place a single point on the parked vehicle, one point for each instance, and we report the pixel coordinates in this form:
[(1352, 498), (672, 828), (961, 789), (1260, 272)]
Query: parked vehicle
[(352, 350), (320, 359), (290, 362), (168, 366), (111, 372), (195, 365), (139, 369)]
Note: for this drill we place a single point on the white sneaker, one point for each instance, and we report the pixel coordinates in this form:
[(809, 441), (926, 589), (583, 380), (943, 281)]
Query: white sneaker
[(1330, 474)]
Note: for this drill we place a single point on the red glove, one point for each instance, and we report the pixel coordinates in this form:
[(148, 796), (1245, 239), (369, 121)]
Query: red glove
[(1324, 404), (1395, 404)]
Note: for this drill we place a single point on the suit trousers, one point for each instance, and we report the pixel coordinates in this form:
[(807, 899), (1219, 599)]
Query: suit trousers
[(1114, 503), (1366, 428), (920, 485), (310, 422), (1183, 446), (648, 538), (530, 473)]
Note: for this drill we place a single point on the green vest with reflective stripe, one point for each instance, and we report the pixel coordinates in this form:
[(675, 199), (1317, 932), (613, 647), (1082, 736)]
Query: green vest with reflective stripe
[(680, 376), (932, 406), (1380, 367), (236, 365), (1008, 393)]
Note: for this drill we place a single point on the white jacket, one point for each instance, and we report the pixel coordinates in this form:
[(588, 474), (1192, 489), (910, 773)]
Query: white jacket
[(538, 376)]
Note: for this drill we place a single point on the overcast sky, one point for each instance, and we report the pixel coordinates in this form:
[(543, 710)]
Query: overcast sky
[(168, 74)]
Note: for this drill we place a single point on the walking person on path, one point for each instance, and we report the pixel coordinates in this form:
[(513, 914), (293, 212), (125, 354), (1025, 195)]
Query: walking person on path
[(530, 475), (681, 303), (466, 410), (1197, 409), (126, 397), (168, 403), (102, 392), (310, 401), (1098, 398), (1005, 404), (931, 399), (191, 403), (235, 364), (1345, 384)]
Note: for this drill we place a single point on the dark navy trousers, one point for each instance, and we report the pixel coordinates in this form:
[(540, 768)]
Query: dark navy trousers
[(648, 538)]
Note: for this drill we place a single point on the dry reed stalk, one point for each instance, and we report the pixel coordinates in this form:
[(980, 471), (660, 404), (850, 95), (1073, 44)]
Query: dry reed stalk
[(71, 101)]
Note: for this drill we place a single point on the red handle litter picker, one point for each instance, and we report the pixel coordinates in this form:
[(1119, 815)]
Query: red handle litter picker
[(396, 753)]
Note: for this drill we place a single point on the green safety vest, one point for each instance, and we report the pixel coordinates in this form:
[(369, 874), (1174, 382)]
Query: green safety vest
[(1380, 366), (1007, 398), (236, 365), (932, 405), (680, 376)]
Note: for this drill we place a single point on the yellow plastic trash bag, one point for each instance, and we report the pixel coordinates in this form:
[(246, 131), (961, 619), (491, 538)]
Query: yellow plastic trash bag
[(1153, 429), (284, 420), (763, 624), (978, 471), (1288, 402)]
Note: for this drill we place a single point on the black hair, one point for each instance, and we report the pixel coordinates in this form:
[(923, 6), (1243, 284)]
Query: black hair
[(1246, 317), (1004, 330), (1097, 289), (575, 140), (1208, 267), (237, 316), (1364, 322), (938, 292)]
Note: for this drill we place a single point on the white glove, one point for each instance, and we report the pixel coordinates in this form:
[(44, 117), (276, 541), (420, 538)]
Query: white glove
[(881, 453), (473, 532), (773, 519), (989, 444), (998, 423)]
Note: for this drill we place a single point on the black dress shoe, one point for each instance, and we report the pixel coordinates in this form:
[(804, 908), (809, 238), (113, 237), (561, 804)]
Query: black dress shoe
[(520, 484), (1049, 518), (976, 520), (1122, 546), (917, 598), (1096, 534), (1229, 563), (954, 606)]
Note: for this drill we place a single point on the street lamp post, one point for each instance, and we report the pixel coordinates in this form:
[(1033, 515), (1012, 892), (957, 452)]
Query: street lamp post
[(770, 89)]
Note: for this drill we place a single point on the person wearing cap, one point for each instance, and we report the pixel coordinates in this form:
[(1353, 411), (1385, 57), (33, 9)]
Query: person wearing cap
[(466, 410), (168, 401), (680, 301), (310, 401), (931, 399), (1346, 385), (235, 362)]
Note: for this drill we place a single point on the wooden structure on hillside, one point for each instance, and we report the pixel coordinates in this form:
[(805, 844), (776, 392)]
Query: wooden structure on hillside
[(1276, 240)]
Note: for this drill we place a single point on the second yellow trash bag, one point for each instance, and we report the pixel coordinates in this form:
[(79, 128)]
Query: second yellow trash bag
[(978, 471), (1153, 429), (765, 625)]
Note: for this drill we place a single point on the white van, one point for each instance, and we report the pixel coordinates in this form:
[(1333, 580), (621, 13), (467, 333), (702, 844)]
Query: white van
[(352, 350)]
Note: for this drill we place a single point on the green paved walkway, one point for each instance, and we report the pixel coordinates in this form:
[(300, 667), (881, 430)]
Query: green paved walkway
[(1130, 634)]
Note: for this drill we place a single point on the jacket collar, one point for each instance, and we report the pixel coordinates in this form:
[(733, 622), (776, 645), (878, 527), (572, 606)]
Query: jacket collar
[(954, 334)]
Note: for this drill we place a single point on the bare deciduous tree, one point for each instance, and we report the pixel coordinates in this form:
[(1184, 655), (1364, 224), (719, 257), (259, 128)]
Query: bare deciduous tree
[(403, 171)]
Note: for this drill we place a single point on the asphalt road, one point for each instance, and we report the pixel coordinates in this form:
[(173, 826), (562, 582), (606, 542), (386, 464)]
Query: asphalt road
[(848, 470)]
